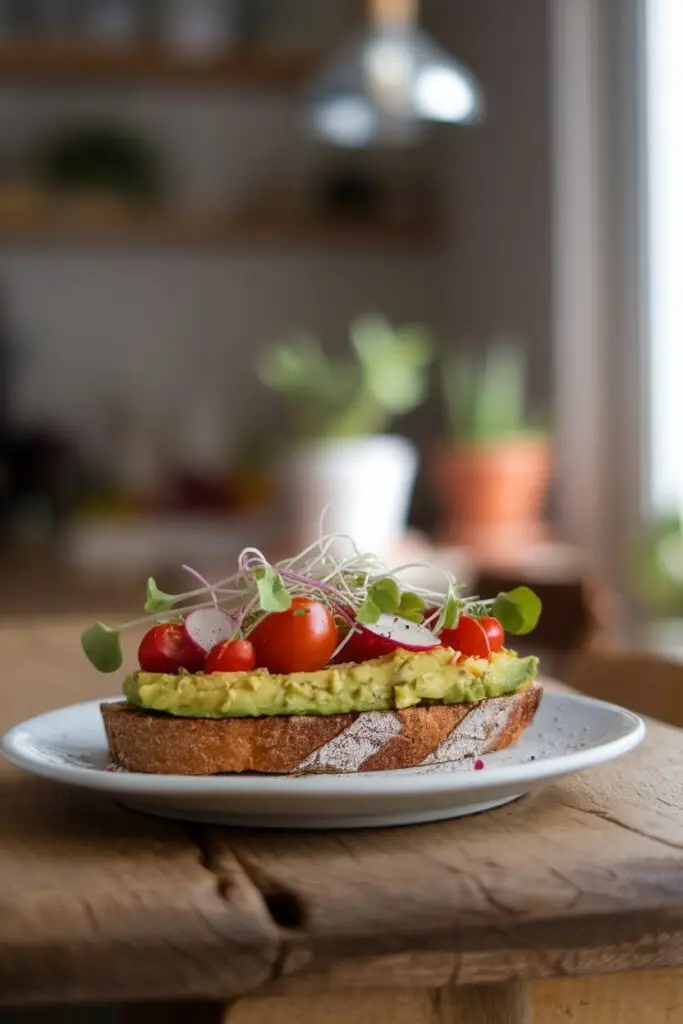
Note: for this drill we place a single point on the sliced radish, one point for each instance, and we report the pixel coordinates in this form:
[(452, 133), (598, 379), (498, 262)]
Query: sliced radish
[(207, 627), (388, 634)]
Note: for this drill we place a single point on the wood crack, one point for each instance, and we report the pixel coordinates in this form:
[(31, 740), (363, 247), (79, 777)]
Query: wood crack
[(492, 900), (509, 934), (579, 893), (606, 816), (553, 964), (261, 887), (283, 907), (222, 883), (669, 803)]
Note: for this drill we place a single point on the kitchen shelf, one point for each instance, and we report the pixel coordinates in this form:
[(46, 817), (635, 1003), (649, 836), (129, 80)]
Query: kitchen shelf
[(71, 64), (209, 228)]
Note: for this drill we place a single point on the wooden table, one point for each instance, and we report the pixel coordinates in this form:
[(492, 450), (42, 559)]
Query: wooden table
[(536, 904)]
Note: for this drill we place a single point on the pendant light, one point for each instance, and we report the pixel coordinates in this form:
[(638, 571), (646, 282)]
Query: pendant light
[(388, 84)]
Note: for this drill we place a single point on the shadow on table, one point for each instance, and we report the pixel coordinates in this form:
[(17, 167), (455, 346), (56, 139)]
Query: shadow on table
[(59, 819), (62, 1015)]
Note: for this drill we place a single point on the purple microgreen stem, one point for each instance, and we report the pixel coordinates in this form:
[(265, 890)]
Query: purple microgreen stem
[(207, 585)]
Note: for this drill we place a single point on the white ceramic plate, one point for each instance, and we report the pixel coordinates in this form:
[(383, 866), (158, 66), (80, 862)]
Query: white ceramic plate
[(570, 733)]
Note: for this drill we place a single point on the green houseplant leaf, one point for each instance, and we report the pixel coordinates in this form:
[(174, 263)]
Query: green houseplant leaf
[(383, 376), (486, 396), (392, 362)]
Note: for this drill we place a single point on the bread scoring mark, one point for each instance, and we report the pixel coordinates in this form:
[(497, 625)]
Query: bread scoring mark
[(348, 751), (475, 734), (423, 730)]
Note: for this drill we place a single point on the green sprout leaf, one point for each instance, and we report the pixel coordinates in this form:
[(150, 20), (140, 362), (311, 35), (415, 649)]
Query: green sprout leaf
[(450, 613), (386, 594), (272, 592), (368, 613), (477, 609), (385, 597), (102, 647), (412, 607), (518, 611), (157, 600)]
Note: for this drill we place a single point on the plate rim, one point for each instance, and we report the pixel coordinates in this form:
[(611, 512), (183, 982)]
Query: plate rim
[(395, 782)]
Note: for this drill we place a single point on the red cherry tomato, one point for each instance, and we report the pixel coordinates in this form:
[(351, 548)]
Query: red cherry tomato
[(429, 613), (231, 656), (494, 632), (469, 638), (302, 639), (168, 648)]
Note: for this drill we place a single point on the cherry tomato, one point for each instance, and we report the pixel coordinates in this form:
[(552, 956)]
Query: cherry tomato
[(168, 648), (231, 656), (469, 638), (302, 639), (494, 632), (429, 612)]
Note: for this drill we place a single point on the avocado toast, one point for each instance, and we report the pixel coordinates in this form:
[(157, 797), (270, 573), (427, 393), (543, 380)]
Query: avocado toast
[(318, 664)]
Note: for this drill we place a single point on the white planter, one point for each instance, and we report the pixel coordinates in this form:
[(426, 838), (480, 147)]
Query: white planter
[(365, 483)]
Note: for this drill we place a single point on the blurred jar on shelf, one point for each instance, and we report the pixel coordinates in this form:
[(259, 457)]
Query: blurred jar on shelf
[(113, 22), (295, 24), (199, 28), (43, 20)]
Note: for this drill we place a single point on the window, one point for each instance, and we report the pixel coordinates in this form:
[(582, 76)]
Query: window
[(664, 133)]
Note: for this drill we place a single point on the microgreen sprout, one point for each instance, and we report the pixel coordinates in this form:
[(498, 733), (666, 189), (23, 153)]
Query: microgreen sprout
[(205, 583), (356, 587)]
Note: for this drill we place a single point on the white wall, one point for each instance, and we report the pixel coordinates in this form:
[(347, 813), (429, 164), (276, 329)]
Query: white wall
[(159, 325), (152, 322), (497, 178)]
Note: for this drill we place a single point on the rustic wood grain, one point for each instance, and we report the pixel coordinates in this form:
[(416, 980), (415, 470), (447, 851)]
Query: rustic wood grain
[(370, 1006), (644, 683), (655, 997), (651, 997), (599, 888), (483, 1004), (97, 902), (584, 878), (47, 667)]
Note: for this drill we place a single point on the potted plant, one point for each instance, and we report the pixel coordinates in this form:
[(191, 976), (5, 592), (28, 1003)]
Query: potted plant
[(492, 474), (339, 455), (655, 574)]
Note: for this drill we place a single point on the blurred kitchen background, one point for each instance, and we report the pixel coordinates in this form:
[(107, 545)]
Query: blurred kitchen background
[(416, 262)]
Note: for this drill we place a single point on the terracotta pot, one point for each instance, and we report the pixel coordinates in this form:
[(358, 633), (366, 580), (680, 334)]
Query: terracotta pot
[(492, 494)]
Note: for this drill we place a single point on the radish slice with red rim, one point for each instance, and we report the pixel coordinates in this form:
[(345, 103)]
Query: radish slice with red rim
[(207, 627), (390, 633)]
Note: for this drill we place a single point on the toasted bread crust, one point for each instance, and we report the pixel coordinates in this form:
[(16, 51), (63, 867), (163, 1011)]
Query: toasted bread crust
[(144, 741)]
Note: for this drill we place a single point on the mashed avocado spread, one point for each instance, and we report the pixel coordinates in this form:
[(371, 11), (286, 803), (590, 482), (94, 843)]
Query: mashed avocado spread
[(400, 680)]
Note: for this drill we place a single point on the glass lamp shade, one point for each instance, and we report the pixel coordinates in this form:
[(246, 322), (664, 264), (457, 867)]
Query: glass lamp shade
[(386, 86)]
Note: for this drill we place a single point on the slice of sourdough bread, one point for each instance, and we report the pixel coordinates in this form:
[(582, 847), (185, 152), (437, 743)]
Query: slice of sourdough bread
[(144, 741)]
